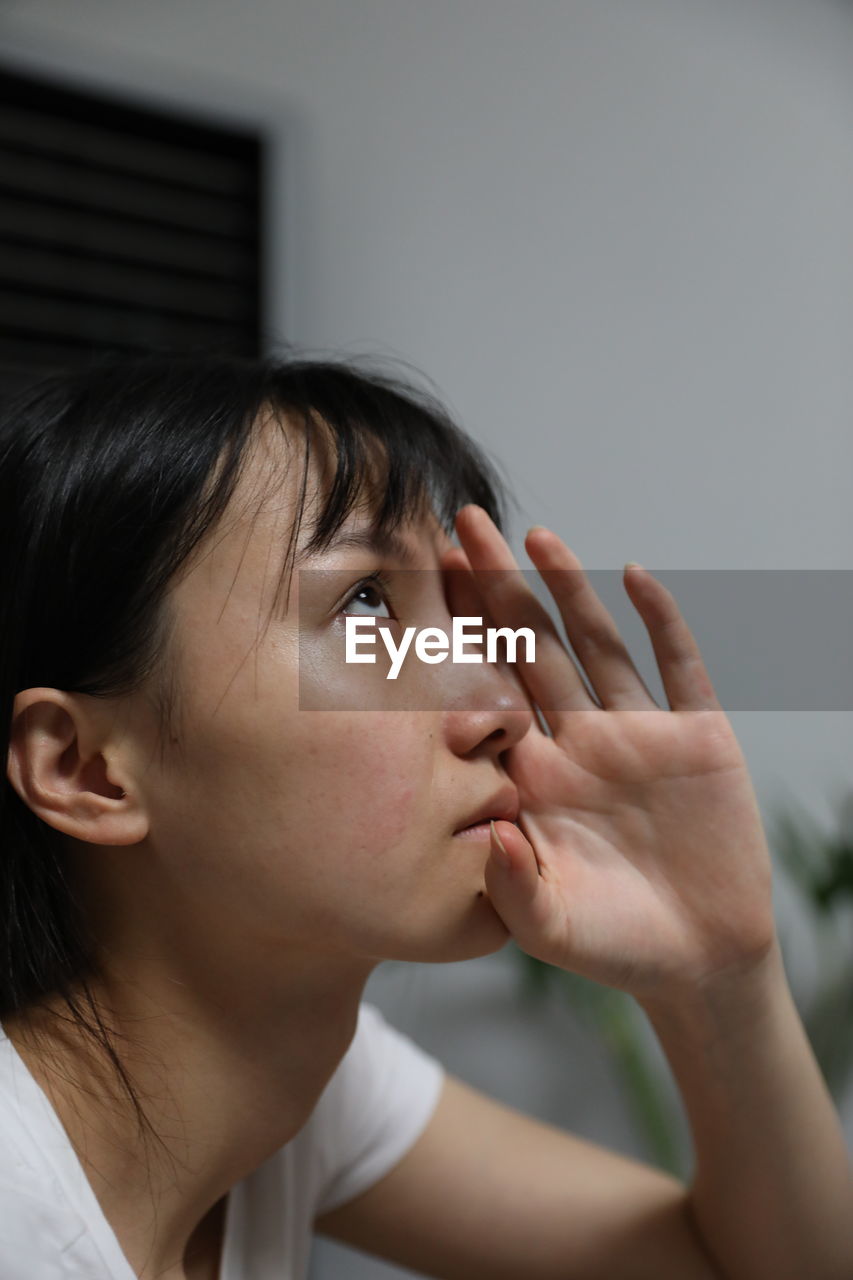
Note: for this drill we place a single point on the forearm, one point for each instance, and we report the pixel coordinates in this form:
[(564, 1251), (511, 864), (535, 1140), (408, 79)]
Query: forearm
[(772, 1195)]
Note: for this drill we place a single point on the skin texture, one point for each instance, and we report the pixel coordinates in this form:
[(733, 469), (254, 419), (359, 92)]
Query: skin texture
[(247, 873), (261, 860), (641, 860)]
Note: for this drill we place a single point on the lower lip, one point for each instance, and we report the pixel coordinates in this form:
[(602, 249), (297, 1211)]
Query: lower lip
[(479, 832)]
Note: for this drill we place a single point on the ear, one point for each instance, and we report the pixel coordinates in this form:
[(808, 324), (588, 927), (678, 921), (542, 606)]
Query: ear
[(65, 768)]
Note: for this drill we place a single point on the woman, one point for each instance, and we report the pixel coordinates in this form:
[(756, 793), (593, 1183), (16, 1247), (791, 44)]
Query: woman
[(200, 872)]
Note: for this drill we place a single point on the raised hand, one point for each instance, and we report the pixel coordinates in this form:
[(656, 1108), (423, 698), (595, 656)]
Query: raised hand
[(639, 858)]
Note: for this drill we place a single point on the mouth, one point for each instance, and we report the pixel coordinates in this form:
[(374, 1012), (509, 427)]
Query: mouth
[(503, 806), (478, 831)]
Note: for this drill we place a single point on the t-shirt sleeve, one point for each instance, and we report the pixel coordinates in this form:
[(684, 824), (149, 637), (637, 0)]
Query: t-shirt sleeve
[(375, 1106)]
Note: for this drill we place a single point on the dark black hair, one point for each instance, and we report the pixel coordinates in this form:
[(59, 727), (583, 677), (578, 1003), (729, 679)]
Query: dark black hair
[(109, 478)]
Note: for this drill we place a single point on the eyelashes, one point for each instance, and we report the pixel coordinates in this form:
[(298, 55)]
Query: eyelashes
[(378, 581)]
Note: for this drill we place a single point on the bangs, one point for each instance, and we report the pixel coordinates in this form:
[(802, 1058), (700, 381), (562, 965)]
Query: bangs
[(382, 445), (133, 461)]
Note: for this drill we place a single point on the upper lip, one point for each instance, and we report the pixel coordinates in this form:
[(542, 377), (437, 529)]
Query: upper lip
[(503, 804)]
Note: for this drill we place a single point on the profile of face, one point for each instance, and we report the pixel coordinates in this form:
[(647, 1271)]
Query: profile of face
[(270, 829)]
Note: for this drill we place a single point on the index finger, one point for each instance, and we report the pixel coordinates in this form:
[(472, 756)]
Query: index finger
[(466, 599), (553, 680)]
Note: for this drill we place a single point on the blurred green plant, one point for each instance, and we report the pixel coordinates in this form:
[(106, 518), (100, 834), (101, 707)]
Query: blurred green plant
[(819, 867)]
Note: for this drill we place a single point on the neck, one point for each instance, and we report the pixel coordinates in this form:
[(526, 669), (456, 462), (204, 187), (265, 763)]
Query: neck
[(224, 1079)]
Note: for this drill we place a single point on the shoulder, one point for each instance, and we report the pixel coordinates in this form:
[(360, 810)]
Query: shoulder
[(375, 1106), (383, 1067)]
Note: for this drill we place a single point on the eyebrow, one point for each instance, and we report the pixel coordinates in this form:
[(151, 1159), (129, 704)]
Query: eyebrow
[(378, 541)]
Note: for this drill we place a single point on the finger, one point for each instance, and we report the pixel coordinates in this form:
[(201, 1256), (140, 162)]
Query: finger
[(461, 590), (685, 678), (592, 633), (464, 599), (553, 680), (515, 888), (522, 895)]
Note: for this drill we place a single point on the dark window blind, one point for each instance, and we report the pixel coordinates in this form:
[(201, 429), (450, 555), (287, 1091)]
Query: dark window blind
[(121, 229)]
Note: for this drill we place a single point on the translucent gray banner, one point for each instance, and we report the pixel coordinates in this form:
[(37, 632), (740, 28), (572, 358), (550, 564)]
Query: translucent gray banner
[(770, 639)]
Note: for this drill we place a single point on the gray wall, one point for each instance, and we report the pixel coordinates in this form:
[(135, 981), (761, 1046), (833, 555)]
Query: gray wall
[(617, 237)]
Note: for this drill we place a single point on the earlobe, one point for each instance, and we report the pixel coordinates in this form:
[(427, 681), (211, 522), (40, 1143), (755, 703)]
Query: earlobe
[(62, 766)]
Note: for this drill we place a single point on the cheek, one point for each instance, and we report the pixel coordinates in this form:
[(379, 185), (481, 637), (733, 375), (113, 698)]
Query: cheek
[(361, 776), (354, 783), (260, 783)]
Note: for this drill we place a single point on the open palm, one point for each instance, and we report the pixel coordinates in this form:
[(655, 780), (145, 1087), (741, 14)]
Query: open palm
[(639, 857)]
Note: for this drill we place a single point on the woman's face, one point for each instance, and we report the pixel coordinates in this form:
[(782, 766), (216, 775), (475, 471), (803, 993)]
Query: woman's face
[(329, 829)]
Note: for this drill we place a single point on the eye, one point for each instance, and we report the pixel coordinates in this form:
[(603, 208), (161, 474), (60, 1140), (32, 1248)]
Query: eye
[(374, 585)]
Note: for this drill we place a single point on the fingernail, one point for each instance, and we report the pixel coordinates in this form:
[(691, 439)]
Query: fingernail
[(533, 528), (633, 564), (503, 856)]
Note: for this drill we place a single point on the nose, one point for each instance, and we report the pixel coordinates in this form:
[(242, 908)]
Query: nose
[(487, 711), (484, 703)]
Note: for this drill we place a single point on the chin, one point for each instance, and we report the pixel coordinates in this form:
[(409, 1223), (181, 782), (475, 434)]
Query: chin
[(478, 931)]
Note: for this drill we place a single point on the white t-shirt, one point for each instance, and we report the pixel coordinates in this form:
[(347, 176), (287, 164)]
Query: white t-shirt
[(375, 1105)]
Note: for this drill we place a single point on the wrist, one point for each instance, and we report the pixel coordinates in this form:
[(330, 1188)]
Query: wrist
[(733, 999)]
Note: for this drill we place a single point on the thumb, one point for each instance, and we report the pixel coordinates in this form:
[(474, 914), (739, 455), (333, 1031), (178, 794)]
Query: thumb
[(513, 883)]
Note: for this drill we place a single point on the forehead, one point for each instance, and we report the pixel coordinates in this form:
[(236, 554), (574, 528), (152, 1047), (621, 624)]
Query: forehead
[(266, 532), (294, 495)]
